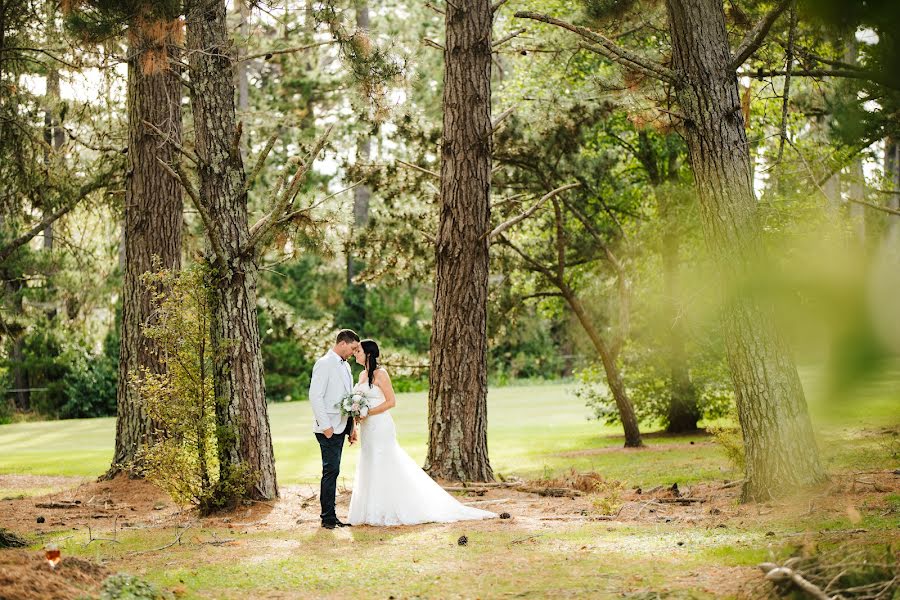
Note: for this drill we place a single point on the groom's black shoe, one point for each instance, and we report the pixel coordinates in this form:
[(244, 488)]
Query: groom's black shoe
[(329, 525), (341, 524)]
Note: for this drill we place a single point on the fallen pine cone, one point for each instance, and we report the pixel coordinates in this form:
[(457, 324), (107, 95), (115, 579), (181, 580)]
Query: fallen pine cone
[(462, 541), (504, 515)]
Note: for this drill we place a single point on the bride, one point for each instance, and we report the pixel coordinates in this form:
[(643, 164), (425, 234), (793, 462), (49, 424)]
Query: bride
[(389, 487)]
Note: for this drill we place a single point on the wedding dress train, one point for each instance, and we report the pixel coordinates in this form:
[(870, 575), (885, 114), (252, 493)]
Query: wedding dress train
[(389, 487)]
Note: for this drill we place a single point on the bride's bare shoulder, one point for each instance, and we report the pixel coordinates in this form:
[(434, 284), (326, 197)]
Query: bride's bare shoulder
[(381, 373)]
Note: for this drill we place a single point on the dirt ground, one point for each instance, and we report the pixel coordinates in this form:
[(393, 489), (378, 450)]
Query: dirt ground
[(104, 509)]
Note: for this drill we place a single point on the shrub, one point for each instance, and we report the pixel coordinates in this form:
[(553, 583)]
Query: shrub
[(122, 586), (648, 384), (183, 457), (729, 438)]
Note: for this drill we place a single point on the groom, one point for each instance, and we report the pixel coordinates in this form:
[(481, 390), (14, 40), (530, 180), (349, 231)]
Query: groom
[(331, 380)]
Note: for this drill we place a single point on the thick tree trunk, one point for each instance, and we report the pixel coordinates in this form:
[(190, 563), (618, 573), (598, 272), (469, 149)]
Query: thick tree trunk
[(457, 395), (780, 447), (152, 228), (242, 415), (613, 375)]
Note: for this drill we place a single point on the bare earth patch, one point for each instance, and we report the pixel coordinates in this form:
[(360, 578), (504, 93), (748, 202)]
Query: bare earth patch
[(641, 524)]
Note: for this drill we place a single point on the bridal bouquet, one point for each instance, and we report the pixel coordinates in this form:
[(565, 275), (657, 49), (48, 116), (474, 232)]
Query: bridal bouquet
[(355, 404)]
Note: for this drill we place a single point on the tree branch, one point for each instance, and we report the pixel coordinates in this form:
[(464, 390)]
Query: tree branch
[(542, 295), (496, 5), (499, 229), (846, 73), (7, 250), (789, 67), (496, 124), (418, 168), (168, 140), (625, 63), (269, 54), (262, 227), (535, 265), (754, 38), (432, 43), (508, 37), (261, 160), (180, 175), (614, 50), (315, 205), (622, 285)]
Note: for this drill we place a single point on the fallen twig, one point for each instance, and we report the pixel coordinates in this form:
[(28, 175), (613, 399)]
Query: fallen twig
[(177, 540), (524, 539), (785, 574)]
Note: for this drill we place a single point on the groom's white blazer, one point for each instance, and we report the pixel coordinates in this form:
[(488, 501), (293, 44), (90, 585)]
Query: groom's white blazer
[(331, 381)]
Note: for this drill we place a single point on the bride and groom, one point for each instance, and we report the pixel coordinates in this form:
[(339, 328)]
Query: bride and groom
[(389, 487)]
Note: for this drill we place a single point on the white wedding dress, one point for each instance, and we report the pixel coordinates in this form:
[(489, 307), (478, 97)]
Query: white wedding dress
[(389, 487)]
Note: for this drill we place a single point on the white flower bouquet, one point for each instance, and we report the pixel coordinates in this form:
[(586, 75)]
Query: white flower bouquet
[(355, 404)]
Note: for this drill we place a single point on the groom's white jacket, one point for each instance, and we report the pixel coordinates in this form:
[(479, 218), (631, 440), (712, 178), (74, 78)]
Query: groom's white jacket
[(331, 380)]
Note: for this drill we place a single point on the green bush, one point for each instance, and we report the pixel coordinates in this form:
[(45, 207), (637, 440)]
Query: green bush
[(68, 379), (647, 382), (89, 386), (182, 459), (122, 586)]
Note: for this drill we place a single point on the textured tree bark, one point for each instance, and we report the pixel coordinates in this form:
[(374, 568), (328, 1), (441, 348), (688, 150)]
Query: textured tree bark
[(781, 453), (152, 227), (242, 414), (457, 394)]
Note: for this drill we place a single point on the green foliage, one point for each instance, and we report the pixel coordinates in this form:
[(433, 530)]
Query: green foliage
[(601, 10), (649, 386), (69, 381), (122, 586), (183, 456), (101, 20), (90, 386), (728, 437)]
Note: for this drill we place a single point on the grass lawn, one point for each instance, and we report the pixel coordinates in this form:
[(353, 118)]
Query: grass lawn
[(534, 430)]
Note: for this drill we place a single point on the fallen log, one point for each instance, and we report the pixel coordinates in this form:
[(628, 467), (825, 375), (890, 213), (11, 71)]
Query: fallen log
[(59, 504), (680, 500)]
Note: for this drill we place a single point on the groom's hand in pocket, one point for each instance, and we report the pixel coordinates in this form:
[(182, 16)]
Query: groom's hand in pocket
[(328, 432)]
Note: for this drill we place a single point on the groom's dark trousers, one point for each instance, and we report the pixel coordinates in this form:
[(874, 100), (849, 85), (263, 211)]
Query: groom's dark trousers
[(331, 467)]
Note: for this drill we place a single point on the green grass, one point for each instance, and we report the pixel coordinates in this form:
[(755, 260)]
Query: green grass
[(533, 430)]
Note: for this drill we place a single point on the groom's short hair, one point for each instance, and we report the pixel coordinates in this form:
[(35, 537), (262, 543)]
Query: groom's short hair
[(347, 335)]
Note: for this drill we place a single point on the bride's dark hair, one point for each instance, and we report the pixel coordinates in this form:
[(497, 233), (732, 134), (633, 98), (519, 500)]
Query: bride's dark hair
[(370, 349)]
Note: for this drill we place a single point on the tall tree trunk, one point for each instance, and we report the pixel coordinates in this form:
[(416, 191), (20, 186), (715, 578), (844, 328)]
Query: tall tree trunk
[(457, 394), (54, 136), (152, 226), (780, 448), (613, 375), (355, 295), (21, 380), (242, 414)]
